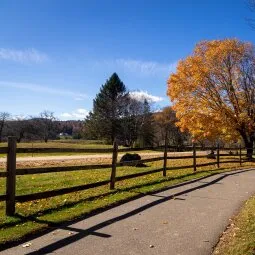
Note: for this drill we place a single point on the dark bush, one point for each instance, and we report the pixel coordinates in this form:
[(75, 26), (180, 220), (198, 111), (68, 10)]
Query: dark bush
[(128, 159), (211, 155)]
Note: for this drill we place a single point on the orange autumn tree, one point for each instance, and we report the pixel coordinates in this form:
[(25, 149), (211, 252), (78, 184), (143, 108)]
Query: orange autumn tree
[(213, 91)]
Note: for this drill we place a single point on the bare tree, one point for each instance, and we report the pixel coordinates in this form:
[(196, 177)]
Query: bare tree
[(22, 128), (4, 116), (47, 123), (132, 121)]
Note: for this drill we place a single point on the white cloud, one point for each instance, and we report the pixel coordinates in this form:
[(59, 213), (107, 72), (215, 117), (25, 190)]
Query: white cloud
[(23, 56), (146, 67), (138, 67), (43, 89), (142, 95), (19, 117), (80, 97), (78, 114)]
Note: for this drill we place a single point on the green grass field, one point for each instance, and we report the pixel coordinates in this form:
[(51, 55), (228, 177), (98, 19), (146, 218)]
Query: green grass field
[(36, 215), (60, 144)]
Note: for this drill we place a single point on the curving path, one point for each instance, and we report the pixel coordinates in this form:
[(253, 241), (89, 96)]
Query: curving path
[(186, 219)]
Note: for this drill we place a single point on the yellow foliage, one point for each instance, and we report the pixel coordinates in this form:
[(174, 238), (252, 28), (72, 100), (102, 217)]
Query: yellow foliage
[(213, 90)]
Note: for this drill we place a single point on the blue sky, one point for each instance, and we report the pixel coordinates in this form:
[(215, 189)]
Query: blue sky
[(55, 54)]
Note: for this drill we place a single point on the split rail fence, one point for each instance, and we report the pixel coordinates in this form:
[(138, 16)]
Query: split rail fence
[(11, 172)]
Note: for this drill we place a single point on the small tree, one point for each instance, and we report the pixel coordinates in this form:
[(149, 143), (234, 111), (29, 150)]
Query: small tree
[(132, 121), (20, 127), (146, 132), (47, 124), (4, 116), (166, 122)]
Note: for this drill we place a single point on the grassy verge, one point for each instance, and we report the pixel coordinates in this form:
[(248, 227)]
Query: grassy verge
[(37, 215), (239, 239)]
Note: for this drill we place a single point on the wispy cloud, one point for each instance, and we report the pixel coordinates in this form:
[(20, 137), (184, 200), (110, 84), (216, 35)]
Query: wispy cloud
[(78, 114), (144, 95), (23, 56), (146, 67), (138, 67), (43, 89)]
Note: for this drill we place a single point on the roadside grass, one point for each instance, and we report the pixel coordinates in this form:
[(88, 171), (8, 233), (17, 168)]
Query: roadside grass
[(239, 238), (40, 214)]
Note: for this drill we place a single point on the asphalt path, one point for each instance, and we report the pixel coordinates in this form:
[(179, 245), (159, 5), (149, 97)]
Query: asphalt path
[(186, 219)]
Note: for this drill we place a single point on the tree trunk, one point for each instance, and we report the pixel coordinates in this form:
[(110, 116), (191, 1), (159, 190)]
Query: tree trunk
[(248, 142), (249, 148)]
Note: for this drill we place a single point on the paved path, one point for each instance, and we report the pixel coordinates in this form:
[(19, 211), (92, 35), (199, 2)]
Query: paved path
[(92, 156), (183, 220)]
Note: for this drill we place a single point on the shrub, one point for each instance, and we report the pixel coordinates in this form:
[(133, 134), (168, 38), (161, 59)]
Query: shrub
[(128, 159), (211, 155)]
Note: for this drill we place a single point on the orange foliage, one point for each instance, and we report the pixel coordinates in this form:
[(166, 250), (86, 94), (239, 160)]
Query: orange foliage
[(213, 90)]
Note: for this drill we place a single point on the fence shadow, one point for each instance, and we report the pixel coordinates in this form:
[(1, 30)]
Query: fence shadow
[(80, 233)]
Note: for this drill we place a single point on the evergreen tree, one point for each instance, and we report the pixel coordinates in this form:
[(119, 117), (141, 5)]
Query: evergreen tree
[(104, 121)]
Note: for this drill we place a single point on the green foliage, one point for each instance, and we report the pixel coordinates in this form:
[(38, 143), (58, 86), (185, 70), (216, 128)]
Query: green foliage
[(108, 108)]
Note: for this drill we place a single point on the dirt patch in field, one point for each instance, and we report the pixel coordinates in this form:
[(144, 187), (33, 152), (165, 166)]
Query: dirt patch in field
[(66, 162), (73, 162)]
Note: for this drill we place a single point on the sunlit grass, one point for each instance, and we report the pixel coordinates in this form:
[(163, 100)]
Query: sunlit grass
[(66, 207), (239, 239)]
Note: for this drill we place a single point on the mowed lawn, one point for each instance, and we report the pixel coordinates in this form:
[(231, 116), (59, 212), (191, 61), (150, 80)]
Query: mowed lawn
[(59, 144), (36, 215), (68, 143)]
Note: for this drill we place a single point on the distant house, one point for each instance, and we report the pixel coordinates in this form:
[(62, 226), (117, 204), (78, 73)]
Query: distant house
[(64, 135)]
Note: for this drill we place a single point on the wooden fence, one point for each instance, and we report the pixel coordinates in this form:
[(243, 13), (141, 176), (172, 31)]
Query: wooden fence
[(10, 197)]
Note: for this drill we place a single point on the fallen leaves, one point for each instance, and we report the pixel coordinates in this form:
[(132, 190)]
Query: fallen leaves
[(26, 245)]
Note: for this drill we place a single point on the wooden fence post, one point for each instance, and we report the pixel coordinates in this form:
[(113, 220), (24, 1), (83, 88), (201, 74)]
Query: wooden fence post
[(240, 154), (114, 161), (165, 156), (194, 158), (11, 176), (218, 155)]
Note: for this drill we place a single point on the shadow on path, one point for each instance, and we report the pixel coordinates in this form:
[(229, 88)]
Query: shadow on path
[(93, 230)]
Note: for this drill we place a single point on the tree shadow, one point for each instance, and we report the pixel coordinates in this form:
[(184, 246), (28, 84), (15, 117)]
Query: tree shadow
[(81, 233)]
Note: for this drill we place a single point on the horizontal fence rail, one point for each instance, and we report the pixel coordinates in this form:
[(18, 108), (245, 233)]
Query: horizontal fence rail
[(2, 197), (58, 192), (3, 150), (234, 155)]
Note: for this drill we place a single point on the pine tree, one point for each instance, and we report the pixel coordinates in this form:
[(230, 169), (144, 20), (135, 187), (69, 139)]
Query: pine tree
[(108, 108)]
